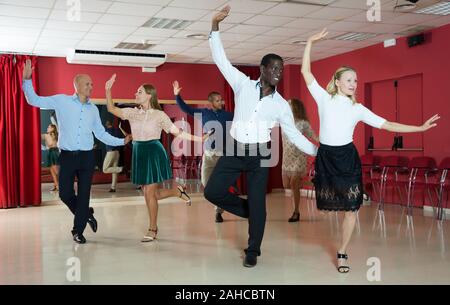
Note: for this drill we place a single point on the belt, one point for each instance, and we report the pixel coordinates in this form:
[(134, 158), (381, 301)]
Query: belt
[(75, 152), (252, 146)]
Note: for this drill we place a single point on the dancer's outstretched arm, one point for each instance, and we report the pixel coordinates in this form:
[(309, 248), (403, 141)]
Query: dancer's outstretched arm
[(47, 102), (101, 134), (397, 127), (306, 64), (181, 103), (109, 101), (295, 136), (187, 136), (233, 76)]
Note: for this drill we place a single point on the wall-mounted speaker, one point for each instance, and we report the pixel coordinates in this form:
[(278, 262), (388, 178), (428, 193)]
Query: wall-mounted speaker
[(416, 40)]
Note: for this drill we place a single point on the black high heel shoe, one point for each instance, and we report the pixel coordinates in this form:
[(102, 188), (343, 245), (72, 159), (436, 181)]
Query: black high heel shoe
[(342, 268), (184, 195), (295, 217)]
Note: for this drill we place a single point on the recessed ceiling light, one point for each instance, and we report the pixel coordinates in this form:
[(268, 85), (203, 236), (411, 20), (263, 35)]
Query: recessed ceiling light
[(355, 36), (292, 59), (165, 23), (405, 5), (302, 42), (442, 8), (196, 36), (133, 46)]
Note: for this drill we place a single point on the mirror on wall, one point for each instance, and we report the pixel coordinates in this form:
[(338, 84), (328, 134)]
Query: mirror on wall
[(184, 171)]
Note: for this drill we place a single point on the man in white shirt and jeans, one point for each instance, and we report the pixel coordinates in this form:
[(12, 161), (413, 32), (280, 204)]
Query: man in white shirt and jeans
[(258, 108)]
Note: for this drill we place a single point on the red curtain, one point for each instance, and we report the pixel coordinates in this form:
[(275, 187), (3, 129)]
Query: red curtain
[(20, 153)]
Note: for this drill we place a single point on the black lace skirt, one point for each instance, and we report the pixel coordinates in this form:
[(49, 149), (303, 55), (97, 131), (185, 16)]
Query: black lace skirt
[(338, 179)]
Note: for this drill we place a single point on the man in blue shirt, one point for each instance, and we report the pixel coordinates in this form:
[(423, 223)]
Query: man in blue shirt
[(111, 161), (78, 118), (214, 146)]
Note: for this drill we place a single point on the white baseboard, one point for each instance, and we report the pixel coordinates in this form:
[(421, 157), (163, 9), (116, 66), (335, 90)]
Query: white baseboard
[(303, 192), (432, 210)]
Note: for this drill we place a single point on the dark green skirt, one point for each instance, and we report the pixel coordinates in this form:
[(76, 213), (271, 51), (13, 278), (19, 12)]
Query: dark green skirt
[(52, 157), (150, 163)]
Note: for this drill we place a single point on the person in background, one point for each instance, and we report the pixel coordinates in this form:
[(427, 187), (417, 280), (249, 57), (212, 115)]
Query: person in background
[(51, 162), (212, 151), (111, 161), (294, 163)]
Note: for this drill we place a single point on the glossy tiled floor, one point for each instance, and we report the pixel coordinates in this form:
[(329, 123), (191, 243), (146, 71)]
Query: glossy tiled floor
[(36, 246), (124, 189)]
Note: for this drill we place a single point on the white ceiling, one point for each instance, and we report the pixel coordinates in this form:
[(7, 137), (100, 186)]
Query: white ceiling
[(253, 28)]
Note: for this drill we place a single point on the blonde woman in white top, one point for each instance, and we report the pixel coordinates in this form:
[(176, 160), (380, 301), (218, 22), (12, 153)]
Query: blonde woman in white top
[(338, 179)]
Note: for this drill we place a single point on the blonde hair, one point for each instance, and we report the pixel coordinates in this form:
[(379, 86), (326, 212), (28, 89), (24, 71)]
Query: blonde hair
[(332, 89), (149, 89)]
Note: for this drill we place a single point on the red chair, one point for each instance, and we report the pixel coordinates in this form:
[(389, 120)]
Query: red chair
[(191, 168), (418, 168), (178, 168), (439, 180), (308, 185), (307, 180), (196, 167), (369, 164), (386, 177)]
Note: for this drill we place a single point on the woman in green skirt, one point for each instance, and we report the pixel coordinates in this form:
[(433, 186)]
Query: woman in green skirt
[(51, 141), (150, 164)]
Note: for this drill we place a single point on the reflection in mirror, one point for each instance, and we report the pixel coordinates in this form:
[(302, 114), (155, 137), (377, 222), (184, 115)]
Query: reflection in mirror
[(112, 173)]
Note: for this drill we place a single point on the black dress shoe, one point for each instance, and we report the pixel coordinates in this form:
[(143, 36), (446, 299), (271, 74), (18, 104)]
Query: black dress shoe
[(219, 217), (295, 217), (250, 260), (78, 238), (112, 191), (92, 221)]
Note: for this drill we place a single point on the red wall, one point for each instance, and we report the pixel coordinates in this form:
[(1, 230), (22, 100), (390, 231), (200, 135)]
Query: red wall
[(197, 81), (373, 63), (377, 63), (56, 75), (292, 81)]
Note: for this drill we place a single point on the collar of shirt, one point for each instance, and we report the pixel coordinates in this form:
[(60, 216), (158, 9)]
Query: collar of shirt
[(76, 98), (258, 84), (142, 110)]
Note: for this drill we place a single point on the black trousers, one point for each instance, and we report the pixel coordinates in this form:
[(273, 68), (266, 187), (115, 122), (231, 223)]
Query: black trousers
[(78, 164), (225, 174)]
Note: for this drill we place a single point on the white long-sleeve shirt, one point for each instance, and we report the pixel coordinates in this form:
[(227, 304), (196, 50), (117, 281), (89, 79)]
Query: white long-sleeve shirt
[(339, 116), (255, 118)]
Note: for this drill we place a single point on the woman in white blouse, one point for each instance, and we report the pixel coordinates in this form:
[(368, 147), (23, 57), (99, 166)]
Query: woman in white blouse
[(338, 179)]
